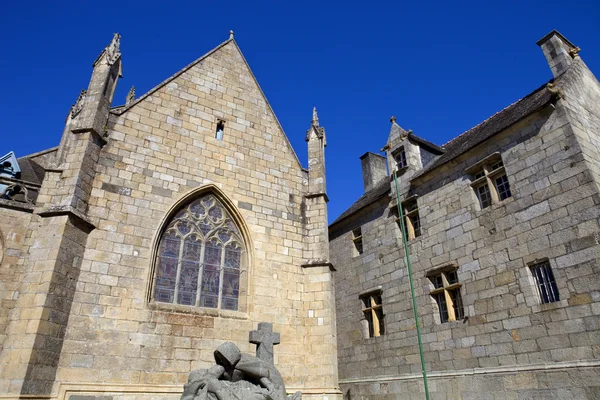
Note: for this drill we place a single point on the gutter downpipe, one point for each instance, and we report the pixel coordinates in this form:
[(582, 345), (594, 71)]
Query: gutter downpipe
[(412, 286)]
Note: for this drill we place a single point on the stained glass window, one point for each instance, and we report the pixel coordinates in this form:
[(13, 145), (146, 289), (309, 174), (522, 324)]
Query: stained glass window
[(200, 257)]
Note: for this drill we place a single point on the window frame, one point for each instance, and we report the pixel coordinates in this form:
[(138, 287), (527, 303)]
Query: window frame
[(484, 174), (372, 311), (542, 268), (232, 217), (409, 224), (401, 153), (220, 124), (357, 240), (443, 289)]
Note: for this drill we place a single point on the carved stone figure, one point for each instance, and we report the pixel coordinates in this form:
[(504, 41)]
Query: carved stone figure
[(241, 376)]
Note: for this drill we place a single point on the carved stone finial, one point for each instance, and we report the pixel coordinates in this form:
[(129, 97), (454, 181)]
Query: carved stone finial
[(392, 119), (230, 35), (76, 108), (130, 96), (574, 51), (315, 117), (113, 50)]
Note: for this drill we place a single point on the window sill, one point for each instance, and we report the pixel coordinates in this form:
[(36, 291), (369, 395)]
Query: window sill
[(441, 326), (494, 206), (193, 310), (550, 306)]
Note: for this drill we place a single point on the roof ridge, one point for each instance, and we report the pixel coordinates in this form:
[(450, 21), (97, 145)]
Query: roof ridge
[(498, 112)]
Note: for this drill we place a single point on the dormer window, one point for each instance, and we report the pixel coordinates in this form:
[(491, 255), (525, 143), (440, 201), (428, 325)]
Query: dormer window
[(220, 129), (400, 158)]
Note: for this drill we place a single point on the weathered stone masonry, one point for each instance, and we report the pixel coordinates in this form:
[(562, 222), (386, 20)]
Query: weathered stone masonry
[(83, 319), (508, 345)]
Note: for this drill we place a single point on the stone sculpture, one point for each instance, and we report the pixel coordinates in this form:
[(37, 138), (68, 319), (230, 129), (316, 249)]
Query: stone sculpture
[(241, 376)]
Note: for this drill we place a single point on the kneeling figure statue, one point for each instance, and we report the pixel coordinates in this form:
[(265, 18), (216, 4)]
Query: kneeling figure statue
[(238, 376)]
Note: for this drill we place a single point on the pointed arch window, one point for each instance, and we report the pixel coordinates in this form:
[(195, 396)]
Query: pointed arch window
[(201, 257)]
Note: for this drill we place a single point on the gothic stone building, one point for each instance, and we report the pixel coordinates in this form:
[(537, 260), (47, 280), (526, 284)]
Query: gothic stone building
[(157, 230), (503, 234)]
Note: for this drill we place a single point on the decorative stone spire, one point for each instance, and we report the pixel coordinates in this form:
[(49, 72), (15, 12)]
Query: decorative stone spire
[(76, 108), (130, 96), (113, 51), (230, 35), (315, 117), (315, 127)]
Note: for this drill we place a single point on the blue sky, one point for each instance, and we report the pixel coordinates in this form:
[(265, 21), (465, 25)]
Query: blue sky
[(441, 67)]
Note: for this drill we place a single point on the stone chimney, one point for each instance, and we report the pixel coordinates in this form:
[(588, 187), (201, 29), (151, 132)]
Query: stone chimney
[(373, 169), (559, 52)]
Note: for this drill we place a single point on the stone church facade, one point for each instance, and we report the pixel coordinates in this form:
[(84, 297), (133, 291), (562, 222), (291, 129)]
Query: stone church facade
[(157, 230), (502, 232)]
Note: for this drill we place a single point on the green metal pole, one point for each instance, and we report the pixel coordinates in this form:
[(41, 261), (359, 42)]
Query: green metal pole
[(412, 286)]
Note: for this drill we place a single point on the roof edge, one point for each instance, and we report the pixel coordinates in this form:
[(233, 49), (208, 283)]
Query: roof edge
[(287, 140), (40, 153), (119, 110), (122, 109), (427, 171)]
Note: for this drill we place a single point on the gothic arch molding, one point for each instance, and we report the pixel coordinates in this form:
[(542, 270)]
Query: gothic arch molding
[(206, 194)]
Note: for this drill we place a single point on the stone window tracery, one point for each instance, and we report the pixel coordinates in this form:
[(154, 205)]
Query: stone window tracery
[(200, 257)]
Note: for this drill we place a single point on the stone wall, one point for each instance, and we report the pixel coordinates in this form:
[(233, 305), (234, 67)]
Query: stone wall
[(14, 232), (161, 150), (553, 213)]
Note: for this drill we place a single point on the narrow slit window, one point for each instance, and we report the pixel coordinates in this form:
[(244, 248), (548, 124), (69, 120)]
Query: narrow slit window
[(358, 242), (220, 130), (545, 283)]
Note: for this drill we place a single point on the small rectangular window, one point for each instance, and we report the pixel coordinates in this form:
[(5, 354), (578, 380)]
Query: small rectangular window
[(545, 283), (484, 196), (490, 181), (446, 293), (358, 242), (220, 129), (412, 221), (503, 187), (373, 312), (400, 158)]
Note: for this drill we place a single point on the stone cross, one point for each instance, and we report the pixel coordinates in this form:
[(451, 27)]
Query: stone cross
[(264, 338)]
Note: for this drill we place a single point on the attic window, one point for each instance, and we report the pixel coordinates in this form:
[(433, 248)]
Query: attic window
[(220, 129), (400, 158)]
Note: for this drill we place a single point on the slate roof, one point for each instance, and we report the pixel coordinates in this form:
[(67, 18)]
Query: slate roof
[(31, 171), (426, 143), (380, 190), (515, 112), (531, 103)]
